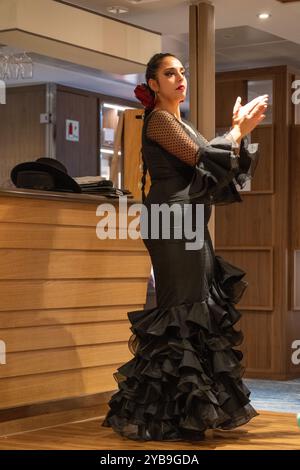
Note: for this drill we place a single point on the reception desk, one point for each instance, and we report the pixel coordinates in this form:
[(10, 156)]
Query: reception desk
[(65, 295)]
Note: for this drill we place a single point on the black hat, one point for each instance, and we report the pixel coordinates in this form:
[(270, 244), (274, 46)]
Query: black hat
[(45, 174)]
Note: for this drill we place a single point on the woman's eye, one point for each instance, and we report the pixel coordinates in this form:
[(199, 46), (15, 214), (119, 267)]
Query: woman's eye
[(172, 73)]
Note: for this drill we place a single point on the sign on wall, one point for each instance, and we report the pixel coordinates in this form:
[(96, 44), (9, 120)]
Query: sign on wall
[(72, 130)]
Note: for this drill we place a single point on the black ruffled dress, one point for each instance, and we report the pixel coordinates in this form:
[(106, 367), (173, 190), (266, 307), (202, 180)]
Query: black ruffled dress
[(185, 375)]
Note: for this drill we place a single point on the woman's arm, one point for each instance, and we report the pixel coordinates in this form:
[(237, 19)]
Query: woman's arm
[(214, 162), (216, 165), (165, 130)]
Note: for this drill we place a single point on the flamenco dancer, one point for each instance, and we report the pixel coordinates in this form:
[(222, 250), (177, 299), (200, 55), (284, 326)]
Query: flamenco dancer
[(185, 376)]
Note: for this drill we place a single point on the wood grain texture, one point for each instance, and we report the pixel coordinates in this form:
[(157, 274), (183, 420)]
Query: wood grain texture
[(63, 237), (268, 431), (65, 295), (43, 387), (258, 265), (133, 162), (53, 212), (68, 316), (295, 191), (52, 337), (22, 136), (264, 174), (61, 264), (247, 223), (40, 294), (202, 75), (66, 358), (80, 158), (260, 233)]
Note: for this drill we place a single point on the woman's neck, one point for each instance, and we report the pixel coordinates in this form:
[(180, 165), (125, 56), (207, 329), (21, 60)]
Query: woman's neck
[(173, 109)]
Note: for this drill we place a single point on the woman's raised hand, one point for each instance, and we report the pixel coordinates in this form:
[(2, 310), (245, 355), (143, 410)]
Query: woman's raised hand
[(246, 118)]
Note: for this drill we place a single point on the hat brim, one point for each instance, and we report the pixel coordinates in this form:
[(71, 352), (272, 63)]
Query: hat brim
[(63, 181)]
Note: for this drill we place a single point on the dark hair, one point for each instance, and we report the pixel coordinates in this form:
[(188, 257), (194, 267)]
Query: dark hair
[(151, 72), (152, 68)]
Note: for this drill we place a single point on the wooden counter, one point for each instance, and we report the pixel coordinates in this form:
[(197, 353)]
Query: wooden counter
[(64, 296)]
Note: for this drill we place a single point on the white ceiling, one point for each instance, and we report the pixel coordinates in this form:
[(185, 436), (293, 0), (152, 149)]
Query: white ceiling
[(171, 16), (242, 40)]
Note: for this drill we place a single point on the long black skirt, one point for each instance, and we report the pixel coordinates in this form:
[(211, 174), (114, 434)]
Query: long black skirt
[(185, 375)]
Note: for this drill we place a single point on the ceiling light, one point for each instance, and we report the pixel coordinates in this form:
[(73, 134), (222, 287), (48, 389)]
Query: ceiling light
[(117, 10), (264, 16)]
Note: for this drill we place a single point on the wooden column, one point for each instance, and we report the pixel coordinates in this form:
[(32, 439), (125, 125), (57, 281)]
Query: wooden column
[(202, 74)]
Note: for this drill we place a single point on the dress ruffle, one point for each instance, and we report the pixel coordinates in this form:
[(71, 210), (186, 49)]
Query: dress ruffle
[(214, 179), (185, 376)]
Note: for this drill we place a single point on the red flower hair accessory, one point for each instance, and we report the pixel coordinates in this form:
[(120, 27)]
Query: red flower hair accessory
[(143, 93)]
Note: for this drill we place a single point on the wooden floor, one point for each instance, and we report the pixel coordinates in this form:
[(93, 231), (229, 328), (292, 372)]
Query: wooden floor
[(267, 431)]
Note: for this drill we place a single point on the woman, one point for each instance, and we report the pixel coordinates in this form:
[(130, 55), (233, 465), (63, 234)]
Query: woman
[(185, 376)]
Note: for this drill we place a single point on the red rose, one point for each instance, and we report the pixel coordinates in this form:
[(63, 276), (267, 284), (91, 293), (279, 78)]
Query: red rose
[(143, 93)]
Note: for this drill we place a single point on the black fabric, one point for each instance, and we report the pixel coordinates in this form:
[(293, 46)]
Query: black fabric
[(185, 375)]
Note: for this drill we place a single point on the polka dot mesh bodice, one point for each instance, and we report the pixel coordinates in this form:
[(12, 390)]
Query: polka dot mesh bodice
[(167, 131)]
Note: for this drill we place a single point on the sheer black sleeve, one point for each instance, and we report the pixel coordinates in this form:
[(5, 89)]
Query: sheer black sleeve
[(246, 164), (217, 168), (164, 129)]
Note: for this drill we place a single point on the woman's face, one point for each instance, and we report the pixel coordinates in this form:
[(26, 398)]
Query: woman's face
[(170, 76)]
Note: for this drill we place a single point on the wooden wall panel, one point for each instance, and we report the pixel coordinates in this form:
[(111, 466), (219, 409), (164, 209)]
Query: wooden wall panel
[(257, 233), (293, 333), (295, 187), (17, 391), (52, 212), (264, 174), (22, 137), (62, 264), (69, 293), (246, 223), (65, 296), (62, 237), (133, 125), (258, 265), (227, 92), (66, 316), (80, 158), (58, 336), (257, 346), (60, 359), (38, 211)]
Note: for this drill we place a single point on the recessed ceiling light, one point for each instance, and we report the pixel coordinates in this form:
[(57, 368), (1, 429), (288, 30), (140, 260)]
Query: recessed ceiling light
[(117, 10), (264, 16)]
